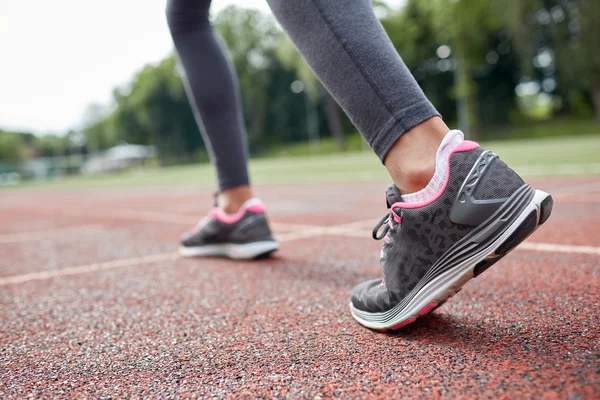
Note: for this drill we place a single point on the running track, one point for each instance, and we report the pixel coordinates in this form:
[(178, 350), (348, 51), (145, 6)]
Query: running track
[(95, 303)]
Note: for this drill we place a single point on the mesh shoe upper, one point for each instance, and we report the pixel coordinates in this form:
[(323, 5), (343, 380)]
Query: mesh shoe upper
[(426, 232), (500, 183), (250, 227)]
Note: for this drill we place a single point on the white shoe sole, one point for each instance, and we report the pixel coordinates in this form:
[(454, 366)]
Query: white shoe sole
[(234, 251)]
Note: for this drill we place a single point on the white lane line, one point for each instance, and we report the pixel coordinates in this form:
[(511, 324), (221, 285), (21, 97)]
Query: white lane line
[(559, 248), (173, 218), (554, 170), (285, 237), (365, 224), (41, 235), (578, 198), (584, 188), (304, 234), (81, 269), (117, 213), (129, 262), (534, 246), (170, 218), (347, 230), (291, 227)]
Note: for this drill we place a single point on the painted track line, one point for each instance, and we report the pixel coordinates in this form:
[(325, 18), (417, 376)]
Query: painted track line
[(127, 213), (578, 198), (82, 269), (162, 217), (340, 230), (584, 188), (558, 169), (532, 246), (559, 248), (129, 262), (41, 235)]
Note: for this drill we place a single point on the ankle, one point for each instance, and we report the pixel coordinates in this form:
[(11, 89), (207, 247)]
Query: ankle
[(411, 161), (415, 177), (231, 200)]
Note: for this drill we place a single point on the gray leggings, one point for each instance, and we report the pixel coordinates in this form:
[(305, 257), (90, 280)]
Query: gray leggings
[(343, 43)]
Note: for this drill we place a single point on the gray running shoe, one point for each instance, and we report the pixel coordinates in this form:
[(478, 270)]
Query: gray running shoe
[(244, 235), (432, 249)]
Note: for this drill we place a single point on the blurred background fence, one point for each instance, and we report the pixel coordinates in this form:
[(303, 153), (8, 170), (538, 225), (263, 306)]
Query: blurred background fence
[(498, 69)]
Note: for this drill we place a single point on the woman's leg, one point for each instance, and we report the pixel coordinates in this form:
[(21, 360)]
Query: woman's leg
[(454, 210), (212, 87), (237, 227), (350, 52)]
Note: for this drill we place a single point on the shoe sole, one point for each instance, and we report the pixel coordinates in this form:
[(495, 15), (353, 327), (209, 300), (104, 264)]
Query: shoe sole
[(246, 251), (441, 288)]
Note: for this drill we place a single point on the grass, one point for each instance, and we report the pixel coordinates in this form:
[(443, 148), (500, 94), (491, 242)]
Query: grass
[(545, 156), (554, 127)]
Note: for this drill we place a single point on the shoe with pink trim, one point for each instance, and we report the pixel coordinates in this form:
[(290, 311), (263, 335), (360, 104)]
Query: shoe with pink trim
[(432, 248), (244, 235)]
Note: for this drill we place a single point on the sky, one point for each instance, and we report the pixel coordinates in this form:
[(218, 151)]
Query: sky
[(59, 56)]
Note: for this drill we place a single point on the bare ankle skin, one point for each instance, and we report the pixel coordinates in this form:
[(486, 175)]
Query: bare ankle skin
[(231, 200), (411, 161)]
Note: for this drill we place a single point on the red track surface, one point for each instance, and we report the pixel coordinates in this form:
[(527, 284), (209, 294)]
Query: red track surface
[(146, 323)]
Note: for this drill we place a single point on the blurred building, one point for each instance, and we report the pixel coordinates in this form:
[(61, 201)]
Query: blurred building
[(118, 158)]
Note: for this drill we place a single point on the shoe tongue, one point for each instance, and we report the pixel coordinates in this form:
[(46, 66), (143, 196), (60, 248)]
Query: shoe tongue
[(392, 195)]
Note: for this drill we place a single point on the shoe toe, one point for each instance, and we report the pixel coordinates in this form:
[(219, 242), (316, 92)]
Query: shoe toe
[(371, 296), (186, 238)]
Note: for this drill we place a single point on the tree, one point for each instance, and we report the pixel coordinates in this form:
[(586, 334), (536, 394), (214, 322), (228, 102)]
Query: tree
[(251, 38), (53, 146), (415, 36), (468, 26), (587, 51), (154, 110), (11, 147), (293, 61), (567, 33)]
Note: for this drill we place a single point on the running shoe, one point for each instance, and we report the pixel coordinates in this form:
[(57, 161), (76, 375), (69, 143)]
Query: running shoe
[(244, 235), (431, 249)]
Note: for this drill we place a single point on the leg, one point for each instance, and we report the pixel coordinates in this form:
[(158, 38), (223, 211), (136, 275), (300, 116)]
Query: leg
[(212, 87), (348, 49), (470, 209), (237, 227)]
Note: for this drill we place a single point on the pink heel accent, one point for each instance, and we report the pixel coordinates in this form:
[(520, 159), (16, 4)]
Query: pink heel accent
[(256, 208), (466, 145), (428, 308), (233, 218), (404, 323)]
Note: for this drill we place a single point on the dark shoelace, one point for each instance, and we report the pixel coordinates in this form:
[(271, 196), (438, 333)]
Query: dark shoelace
[(384, 222), (388, 223)]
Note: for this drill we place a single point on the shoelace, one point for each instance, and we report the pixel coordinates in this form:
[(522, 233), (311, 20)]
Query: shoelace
[(385, 221), (388, 227)]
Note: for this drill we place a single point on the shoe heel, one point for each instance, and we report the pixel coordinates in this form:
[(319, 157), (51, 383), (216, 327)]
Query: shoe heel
[(546, 209), (527, 227)]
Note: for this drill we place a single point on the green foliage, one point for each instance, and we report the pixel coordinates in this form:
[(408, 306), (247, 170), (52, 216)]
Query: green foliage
[(52, 145), (11, 147), (152, 110), (587, 47), (472, 30), (493, 45), (569, 32), (415, 36), (251, 38), (293, 61)]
